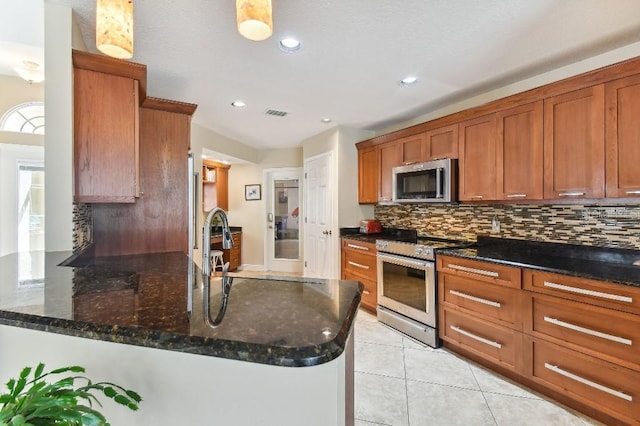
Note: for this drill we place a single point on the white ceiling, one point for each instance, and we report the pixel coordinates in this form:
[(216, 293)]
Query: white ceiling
[(354, 53)]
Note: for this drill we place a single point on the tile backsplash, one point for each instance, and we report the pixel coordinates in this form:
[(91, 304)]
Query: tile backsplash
[(607, 226), (82, 226)]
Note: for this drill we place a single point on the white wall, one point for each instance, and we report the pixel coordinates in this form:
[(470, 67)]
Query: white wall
[(59, 128), (16, 91)]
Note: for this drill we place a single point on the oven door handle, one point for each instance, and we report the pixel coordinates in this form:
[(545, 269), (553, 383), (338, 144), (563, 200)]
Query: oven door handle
[(404, 261)]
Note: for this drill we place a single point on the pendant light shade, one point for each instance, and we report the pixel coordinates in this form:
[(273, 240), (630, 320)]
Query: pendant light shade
[(254, 19), (114, 28)]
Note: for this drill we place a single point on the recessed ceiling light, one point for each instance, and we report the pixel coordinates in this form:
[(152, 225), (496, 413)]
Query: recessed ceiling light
[(408, 81), (238, 104), (290, 45), (326, 120)]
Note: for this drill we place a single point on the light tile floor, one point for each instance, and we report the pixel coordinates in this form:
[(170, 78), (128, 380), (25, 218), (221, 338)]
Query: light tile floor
[(401, 382)]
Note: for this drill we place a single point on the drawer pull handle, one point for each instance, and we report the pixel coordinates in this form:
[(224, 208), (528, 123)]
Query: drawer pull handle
[(473, 270), (587, 382), (584, 291), (571, 194), (589, 331), (366, 292), (516, 195), (476, 337), (357, 247), (476, 197), (358, 265), (632, 192), (475, 299)]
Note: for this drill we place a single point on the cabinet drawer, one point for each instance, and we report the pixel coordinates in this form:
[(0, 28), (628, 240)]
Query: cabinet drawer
[(605, 386), (369, 294), (483, 271), (616, 296), (608, 334), (500, 345), (357, 245), (362, 264), (478, 297)]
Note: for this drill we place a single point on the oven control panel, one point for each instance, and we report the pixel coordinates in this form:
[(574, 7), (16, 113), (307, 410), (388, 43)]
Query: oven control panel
[(418, 251)]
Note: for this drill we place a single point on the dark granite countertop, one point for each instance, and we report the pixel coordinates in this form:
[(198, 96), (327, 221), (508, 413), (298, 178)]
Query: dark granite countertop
[(599, 263), (144, 300)]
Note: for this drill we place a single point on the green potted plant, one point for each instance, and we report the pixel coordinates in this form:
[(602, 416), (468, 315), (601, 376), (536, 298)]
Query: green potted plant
[(32, 401)]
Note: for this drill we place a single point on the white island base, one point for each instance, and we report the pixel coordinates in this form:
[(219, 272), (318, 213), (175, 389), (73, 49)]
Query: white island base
[(185, 389)]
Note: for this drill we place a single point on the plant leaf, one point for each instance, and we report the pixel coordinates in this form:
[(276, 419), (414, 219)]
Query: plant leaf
[(39, 370), (73, 369), (133, 395)]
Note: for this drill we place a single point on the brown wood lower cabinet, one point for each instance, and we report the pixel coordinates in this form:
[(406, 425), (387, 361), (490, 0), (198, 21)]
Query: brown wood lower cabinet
[(498, 344), (573, 339), (359, 263), (605, 386), (232, 255)]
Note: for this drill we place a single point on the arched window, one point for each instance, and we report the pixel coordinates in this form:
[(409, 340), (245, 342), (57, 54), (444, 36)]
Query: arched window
[(24, 118)]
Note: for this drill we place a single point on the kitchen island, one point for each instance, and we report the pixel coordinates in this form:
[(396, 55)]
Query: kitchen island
[(266, 351)]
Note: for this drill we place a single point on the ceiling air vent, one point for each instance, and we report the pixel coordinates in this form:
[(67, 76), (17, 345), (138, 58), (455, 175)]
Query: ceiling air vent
[(276, 112)]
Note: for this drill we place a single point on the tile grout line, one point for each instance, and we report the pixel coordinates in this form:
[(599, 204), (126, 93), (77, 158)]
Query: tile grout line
[(406, 385), (483, 395)]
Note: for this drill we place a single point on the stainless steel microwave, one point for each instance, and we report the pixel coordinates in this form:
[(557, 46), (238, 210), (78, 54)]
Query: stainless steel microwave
[(429, 182)]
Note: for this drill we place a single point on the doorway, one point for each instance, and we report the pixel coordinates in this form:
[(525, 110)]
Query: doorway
[(284, 201)]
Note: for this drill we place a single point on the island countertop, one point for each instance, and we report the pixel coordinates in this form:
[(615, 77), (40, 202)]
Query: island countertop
[(145, 300)]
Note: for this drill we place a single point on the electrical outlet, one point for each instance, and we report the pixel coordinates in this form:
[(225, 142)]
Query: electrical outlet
[(495, 225)]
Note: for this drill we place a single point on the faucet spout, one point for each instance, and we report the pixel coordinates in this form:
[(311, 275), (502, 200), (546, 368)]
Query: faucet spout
[(227, 242)]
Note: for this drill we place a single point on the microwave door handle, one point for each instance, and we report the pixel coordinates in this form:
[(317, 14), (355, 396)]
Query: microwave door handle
[(439, 182)]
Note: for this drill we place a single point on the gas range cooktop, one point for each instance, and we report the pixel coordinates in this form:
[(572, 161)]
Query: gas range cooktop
[(422, 247)]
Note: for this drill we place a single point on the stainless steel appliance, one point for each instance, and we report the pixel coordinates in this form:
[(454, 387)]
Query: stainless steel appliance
[(429, 182), (407, 286)]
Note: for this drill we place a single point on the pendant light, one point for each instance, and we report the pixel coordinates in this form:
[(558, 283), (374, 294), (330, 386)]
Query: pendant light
[(114, 28), (254, 19)]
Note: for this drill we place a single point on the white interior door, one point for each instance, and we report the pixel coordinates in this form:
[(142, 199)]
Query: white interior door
[(283, 240), (318, 223)]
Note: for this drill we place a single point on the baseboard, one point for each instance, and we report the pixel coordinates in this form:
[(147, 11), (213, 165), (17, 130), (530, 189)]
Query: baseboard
[(248, 267)]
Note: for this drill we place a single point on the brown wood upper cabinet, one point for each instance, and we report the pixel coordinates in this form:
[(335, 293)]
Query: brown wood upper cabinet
[(477, 166), (412, 148), (440, 143), (623, 138), (106, 143), (519, 153), (368, 175), (215, 185), (389, 156), (574, 144)]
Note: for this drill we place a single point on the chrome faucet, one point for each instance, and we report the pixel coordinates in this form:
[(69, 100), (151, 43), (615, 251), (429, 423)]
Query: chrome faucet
[(227, 242)]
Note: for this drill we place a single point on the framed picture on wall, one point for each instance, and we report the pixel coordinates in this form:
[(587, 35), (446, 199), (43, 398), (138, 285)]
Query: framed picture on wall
[(252, 192)]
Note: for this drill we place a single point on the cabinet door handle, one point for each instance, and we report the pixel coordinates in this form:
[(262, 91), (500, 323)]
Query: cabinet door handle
[(588, 382), (632, 192), (473, 270), (584, 291), (516, 195), (476, 337), (475, 299), (367, 292), (476, 197), (357, 247), (571, 194), (589, 331), (358, 265)]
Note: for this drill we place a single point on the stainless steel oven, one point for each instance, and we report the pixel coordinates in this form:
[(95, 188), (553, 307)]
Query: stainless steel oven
[(407, 298), (407, 289)]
